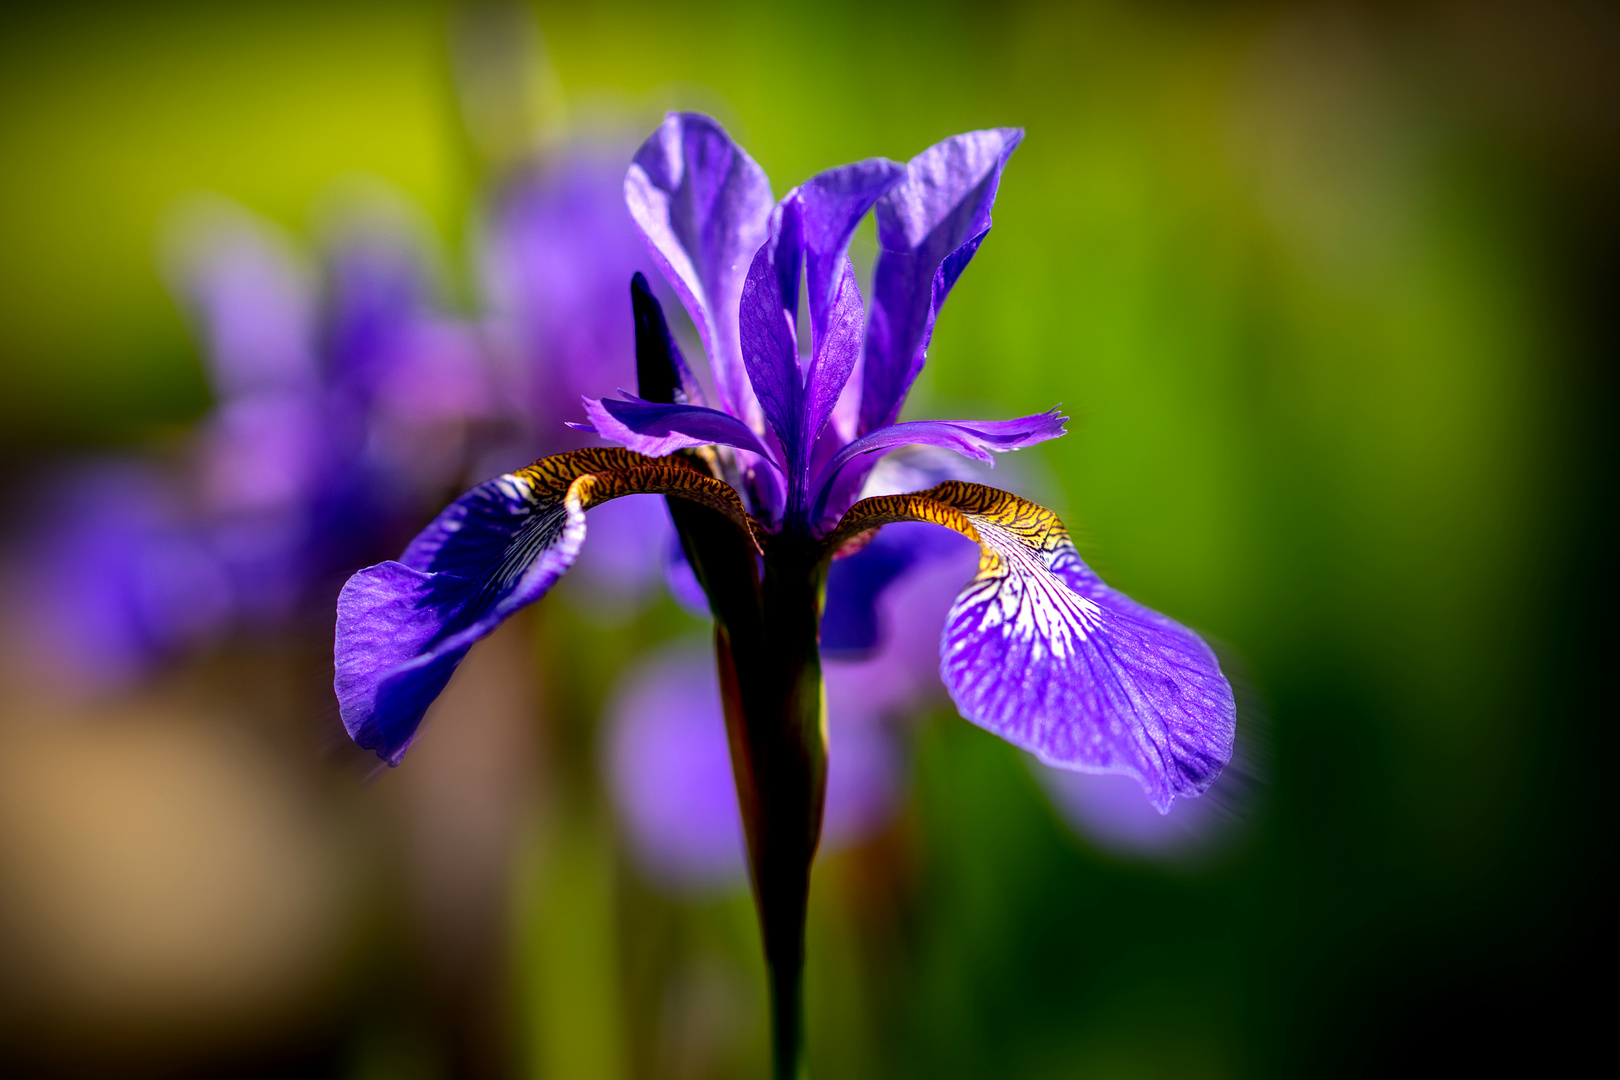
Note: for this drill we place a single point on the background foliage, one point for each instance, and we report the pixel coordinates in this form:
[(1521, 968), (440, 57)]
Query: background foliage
[(1324, 287)]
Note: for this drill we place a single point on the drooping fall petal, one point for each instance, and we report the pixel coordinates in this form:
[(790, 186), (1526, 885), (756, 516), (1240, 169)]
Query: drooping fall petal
[(1042, 653), (403, 627)]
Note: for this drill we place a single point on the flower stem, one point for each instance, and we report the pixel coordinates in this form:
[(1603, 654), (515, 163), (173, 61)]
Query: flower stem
[(776, 720), (766, 629), (770, 680)]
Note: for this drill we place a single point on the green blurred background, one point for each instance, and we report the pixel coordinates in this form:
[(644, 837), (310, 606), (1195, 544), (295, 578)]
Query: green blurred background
[(1326, 288)]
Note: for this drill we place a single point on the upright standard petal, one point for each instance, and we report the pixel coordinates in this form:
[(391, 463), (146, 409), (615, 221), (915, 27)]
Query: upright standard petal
[(768, 325), (403, 627), (929, 226), (702, 203), (560, 247), (833, 204), (809, 230), (1039, 651)]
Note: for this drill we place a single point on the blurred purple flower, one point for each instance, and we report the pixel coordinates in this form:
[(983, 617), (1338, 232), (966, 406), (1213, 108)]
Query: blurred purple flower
[(560, 249), (341, 417), (114, 581), (669, 769), (1109, 812)]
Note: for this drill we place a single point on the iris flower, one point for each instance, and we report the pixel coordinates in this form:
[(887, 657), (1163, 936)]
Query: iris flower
[(764, 491), (347, 397)]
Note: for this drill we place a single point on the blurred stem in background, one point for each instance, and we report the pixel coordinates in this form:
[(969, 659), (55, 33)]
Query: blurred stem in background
[(568, 898)]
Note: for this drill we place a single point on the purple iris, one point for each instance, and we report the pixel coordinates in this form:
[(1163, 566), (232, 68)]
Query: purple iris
[(764, 490), (344, 413)]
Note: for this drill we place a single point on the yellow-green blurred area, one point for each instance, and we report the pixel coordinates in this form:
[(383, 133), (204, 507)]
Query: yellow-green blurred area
[(1325, 289)]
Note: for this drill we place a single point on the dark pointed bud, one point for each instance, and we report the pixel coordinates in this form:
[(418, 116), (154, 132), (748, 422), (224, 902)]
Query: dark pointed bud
[(660, 367)]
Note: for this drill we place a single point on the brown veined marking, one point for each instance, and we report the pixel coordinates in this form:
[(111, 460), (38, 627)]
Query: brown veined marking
[(955, 504), (551, 476), (594, 489), (562, 487), (610, 472)]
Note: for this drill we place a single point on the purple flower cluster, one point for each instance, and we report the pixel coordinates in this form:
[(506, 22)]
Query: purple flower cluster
[(348, 405), (340, 416)]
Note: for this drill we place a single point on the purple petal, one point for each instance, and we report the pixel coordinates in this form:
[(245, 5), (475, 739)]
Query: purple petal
[(702, 203), (851, 625), (657, 430), (253, 299), (833, 204), (976, 439), (812, 225), (834, 359), (768, 314), (403, 627), (929, 226), (561, 249), (1039, 651)]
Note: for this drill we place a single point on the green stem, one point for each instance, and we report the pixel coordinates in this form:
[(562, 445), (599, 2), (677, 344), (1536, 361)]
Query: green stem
[(766, 644), (770, 677)]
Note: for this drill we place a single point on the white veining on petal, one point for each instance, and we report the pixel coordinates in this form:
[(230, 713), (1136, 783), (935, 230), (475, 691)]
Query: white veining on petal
[(516, 488), (1022, 594)]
